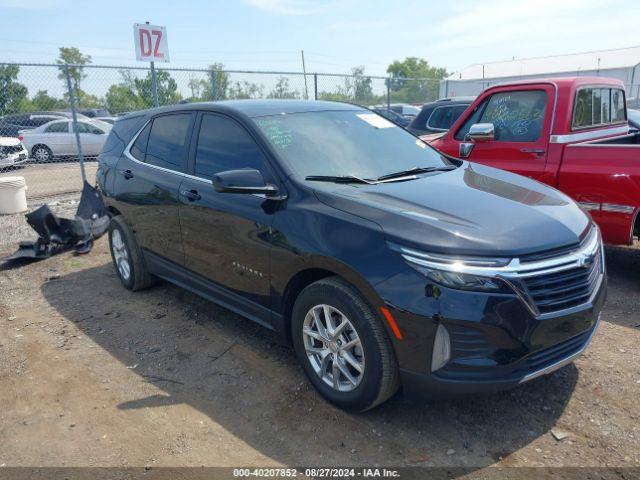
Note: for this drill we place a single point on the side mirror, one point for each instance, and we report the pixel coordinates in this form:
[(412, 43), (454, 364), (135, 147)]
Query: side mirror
[(481, 132), (243, 181)]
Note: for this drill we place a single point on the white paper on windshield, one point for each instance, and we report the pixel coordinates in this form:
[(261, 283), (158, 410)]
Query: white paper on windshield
[(375, 120)]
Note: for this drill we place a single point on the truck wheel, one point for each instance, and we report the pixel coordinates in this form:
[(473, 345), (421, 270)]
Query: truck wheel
[(342, 346), (127, 256)]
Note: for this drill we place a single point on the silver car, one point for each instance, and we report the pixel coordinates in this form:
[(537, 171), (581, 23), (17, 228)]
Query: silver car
[(57, 139)]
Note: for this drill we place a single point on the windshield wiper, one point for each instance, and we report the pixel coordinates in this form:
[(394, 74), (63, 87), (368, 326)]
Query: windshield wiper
[(339, 179), (414, 170)]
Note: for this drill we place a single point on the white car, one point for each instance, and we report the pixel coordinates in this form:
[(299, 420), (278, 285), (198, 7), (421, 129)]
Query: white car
[(109, 120), (12, 152), (57, 139)]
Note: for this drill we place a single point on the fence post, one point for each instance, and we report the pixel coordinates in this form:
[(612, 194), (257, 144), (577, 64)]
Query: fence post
[(72, 104), (154, 85), (315, 86), (388, 93), (213, 85)]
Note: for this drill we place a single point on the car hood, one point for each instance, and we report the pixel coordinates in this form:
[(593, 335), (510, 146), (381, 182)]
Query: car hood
[(473, 210), (9, 142)]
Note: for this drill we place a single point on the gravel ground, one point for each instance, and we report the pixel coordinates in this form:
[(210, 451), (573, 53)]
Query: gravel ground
[(94, 375)]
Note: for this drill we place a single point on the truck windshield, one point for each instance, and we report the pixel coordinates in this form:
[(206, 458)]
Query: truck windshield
[(355, 143)]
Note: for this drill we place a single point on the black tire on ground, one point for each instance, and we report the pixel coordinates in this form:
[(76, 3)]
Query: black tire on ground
[(42, 153), (138, 277), (380, 379)]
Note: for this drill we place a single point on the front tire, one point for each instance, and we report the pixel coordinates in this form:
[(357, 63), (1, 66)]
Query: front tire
[(342, 346), (127, 256)]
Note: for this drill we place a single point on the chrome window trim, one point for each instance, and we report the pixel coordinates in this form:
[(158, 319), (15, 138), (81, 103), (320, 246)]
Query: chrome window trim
[(128, 154), (593, 143), (590, 135), (516, 270)]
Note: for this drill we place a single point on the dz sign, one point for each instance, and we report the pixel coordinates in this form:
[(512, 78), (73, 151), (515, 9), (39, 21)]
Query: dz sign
[(151, 43)]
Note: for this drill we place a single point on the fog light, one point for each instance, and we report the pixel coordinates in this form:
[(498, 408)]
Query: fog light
[(441, 349)]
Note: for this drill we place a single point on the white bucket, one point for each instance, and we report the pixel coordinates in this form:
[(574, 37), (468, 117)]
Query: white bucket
[(13, 197)]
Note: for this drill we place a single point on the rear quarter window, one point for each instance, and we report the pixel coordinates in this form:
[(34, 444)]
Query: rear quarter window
[(122, 132), (595, 106)]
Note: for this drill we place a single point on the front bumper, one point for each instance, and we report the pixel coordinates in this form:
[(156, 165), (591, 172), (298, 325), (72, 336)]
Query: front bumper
[(14, 159), (496, 342)]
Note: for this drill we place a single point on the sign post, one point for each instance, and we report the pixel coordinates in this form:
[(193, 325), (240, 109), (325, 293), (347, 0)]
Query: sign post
[(151, 46)]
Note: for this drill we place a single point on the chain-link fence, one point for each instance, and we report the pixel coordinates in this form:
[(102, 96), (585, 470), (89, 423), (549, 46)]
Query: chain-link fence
[(38, 135)]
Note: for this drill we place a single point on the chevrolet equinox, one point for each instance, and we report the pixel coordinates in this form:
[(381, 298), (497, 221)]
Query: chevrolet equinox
[(383, 262)]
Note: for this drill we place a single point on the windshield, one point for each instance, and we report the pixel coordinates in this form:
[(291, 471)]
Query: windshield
[(355, 143)]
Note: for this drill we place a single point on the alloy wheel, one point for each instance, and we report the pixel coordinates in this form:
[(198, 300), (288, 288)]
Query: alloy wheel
[(333, 348), (120, 254), (41, 154)]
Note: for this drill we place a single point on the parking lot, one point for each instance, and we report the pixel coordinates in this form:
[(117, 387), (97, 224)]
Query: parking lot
[(52, 179), (94, 375)]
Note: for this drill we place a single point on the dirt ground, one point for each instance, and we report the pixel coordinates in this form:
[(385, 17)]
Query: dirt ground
[(94, 375)]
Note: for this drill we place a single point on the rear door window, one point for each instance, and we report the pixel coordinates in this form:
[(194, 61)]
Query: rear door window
[(167, 145), (516, 116), (224, 145), (58, 127), (443, 117)]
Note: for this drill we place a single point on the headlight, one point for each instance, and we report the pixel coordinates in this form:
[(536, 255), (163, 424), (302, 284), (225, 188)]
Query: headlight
[(464, 273), (464, 281)]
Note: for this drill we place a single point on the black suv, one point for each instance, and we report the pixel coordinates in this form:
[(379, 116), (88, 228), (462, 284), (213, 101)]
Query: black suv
[(382, 261), (439, 116)]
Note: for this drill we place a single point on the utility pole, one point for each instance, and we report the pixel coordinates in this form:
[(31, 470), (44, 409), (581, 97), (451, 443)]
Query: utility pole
[(304, 71), (154, 84)]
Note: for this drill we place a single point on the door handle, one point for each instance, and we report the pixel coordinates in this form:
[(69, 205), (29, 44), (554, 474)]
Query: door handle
[(537, 151), (127, 174), (192, 195)]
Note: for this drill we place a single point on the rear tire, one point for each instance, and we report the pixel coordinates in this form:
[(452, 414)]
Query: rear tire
[(42, 154), (366, 373), (127, 256)]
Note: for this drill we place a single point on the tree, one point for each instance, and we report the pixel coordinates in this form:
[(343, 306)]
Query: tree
[(282, 90), (356, 88), (245, 89), (123, 97), (120, 98), (166, 86), (43, 101), (71, 55), (414, 80), (360, 85), (12, 94)]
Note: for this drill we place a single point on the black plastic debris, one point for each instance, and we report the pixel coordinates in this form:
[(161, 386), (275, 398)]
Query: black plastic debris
[(56, 235)]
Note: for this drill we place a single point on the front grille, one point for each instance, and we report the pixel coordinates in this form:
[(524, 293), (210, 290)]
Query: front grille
[(8, 150), (566, 288)]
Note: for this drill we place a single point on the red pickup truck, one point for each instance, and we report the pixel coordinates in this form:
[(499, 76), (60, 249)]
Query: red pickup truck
[(570, 133)]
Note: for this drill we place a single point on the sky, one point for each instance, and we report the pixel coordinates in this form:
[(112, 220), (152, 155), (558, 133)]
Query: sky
[(335, 35)]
